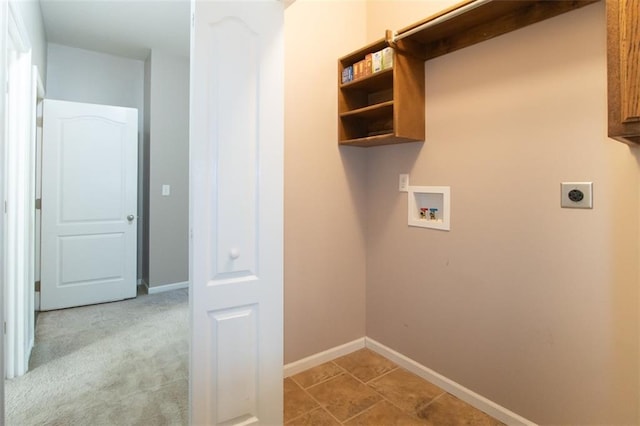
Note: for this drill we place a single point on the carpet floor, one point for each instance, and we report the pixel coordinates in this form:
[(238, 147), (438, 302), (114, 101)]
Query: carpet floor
[(121, 363)]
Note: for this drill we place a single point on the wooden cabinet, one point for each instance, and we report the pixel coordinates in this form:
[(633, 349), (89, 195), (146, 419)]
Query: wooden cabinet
[(386, 107), (623, 58)]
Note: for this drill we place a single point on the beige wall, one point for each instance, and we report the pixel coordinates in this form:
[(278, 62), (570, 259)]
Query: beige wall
[(532, 306), (398, 14), (324, 185)]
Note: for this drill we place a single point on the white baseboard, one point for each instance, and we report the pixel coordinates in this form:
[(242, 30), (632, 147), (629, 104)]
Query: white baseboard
[(30, 346), (456, 389), (166, 287), (322, 357)]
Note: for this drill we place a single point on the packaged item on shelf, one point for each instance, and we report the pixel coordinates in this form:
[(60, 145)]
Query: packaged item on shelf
[(387, 58), (358, 70), (376, 62), (367, 64), (347, 74)]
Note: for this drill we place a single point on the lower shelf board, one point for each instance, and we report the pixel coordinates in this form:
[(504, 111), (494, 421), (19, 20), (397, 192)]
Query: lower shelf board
[(377, 140)]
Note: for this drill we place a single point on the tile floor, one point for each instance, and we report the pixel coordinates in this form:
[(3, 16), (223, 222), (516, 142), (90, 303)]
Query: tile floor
[(364, 388)]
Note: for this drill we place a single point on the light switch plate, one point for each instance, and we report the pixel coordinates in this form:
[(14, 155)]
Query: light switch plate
[(166, 190), (576, 195), (403, 183)]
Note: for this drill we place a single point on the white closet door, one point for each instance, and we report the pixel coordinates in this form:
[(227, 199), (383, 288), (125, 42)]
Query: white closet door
[(236, 212)]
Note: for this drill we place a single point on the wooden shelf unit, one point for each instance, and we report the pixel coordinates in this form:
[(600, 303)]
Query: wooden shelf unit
[(383, 108), (393, 101)]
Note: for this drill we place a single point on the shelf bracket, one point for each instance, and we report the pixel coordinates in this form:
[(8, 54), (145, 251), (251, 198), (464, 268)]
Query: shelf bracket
[(390, 38), (407, 47)]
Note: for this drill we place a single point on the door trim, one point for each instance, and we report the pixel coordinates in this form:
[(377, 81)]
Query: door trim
[(20, 200)]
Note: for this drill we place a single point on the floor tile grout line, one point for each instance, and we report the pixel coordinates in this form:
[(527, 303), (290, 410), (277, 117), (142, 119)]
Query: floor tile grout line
[(436, 398), (303, 414), (383, 374), (384, 398), (342, 371), (363, 411), (370, 380), (373, 389), (323, 382), (367, 384), (307, 394), (337, 365), (295, 381), (387, 399), (320, 404), (373, 378), (345, 372), (410, 413)]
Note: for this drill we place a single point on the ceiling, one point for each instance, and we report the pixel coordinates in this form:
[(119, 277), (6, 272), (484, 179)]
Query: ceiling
[(127, 28)]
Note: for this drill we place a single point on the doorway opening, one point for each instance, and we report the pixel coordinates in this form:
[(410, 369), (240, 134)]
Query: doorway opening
[(19, 244), (20, 136)]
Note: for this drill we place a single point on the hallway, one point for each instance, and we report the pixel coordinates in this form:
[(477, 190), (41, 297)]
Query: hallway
[(120, 363)]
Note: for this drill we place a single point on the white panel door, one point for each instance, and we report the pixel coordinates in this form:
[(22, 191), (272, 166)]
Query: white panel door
[(89, 204), (236, 196)]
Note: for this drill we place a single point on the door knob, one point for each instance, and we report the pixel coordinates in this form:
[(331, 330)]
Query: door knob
[(130, 218)]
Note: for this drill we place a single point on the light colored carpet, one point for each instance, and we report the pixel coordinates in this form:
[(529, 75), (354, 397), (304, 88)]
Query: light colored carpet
[(121, 363)]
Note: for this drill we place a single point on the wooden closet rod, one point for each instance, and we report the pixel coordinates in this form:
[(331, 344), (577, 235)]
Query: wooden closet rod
[(393, 37)]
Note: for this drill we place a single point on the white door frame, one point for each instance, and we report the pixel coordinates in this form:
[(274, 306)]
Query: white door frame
[(3, 80), (20, 199), (28, 302), (39, 92)]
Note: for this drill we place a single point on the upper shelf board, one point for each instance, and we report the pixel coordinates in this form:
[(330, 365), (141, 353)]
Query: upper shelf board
[(489, 19)]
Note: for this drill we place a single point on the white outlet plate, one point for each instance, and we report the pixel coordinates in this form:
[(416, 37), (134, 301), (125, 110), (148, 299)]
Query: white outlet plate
[(586, 188), (403, 183)]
